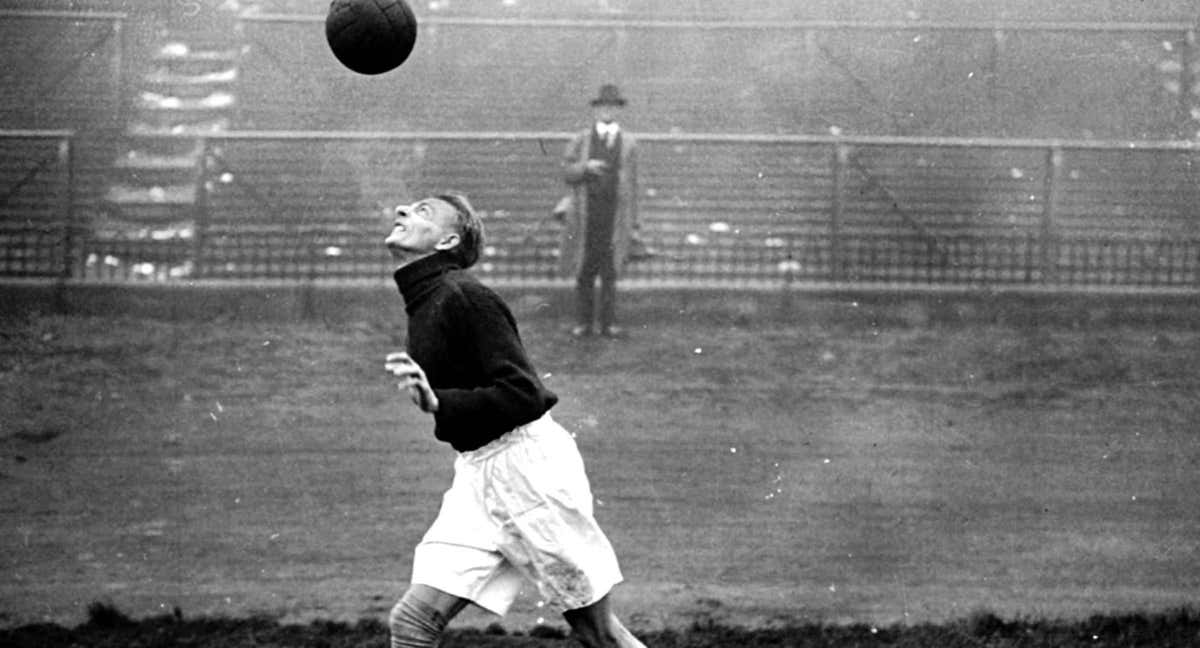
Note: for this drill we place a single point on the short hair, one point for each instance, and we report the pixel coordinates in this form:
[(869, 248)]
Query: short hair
[(470, 230)]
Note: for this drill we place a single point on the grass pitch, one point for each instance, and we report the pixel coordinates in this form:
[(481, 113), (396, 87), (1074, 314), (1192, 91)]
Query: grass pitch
[(750, 476)]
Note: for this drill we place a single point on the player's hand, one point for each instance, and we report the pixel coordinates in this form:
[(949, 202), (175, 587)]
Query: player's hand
[(412, 378)]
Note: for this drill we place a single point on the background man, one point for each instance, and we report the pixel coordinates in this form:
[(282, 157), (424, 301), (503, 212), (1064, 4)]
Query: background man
[(600, 165)]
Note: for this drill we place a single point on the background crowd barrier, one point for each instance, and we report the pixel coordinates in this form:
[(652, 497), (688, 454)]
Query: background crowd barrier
[(716, 210)]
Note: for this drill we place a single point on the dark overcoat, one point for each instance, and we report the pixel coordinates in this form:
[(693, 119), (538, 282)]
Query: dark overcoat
[(575, 158)]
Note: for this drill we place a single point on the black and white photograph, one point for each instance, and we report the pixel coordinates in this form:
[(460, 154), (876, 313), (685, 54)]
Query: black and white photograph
[(600, 323)]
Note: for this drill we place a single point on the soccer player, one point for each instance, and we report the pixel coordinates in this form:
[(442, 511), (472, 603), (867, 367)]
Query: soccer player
[(519, 507)]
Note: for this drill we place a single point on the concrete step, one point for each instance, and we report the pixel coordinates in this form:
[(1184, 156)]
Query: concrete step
[(141, 160), (127, 195), (216, 100), (162, 225), (209, 126), (179, 52)]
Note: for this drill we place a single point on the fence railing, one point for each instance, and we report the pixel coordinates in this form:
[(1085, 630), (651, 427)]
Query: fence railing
[(38, 225), (716, 210)]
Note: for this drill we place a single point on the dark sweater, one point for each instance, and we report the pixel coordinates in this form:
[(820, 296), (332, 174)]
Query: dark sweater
[(465, 338)]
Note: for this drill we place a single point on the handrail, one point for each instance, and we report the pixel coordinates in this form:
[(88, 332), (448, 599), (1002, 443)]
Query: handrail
[(706, 138), (35, 134), (67, 15), (891, 25)]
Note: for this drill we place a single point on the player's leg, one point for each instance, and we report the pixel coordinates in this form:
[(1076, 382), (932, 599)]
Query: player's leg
[(456, 562), (595, 626), (540, 488), (421, 615)]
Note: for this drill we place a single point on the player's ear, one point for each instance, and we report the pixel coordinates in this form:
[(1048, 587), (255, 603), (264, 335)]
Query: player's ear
[(449, 241)]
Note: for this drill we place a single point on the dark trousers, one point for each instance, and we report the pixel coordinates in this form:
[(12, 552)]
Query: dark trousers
[(597, 263)]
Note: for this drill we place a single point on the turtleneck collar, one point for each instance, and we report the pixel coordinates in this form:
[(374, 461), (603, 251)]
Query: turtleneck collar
[(418, 279)]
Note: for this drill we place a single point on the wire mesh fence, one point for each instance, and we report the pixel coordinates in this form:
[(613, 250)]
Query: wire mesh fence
[(715, 210)]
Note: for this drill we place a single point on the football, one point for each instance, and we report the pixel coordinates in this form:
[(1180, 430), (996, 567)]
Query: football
[(371, 36)]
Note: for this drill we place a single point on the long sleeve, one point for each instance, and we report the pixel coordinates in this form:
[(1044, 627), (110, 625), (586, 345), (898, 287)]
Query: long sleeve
[(575, 161), (506, 391)]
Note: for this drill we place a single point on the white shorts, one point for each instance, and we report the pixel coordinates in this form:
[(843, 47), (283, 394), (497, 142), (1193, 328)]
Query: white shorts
[(519, 509)]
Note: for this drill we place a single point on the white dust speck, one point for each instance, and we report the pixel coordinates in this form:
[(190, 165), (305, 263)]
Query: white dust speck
[(698, 350)]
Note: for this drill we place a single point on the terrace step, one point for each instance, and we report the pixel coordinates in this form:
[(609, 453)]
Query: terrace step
[(129, 195)]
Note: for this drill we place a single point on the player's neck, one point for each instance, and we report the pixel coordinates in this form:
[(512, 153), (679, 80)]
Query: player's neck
[(404, 258)]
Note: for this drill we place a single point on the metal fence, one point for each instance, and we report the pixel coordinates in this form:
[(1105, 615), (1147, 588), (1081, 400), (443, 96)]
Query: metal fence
[(717, 210)]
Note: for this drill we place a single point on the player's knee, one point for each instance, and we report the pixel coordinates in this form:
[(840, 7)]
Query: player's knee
[(415, 624)]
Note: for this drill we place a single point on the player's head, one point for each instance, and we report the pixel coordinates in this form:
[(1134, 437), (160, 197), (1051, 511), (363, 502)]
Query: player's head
[(443, 223), (469, 227)]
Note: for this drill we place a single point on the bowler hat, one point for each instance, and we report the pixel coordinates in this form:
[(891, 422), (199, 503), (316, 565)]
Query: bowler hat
[(609, 96)]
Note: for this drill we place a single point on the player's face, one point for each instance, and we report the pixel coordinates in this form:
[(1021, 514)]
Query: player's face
[(422, 228)]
